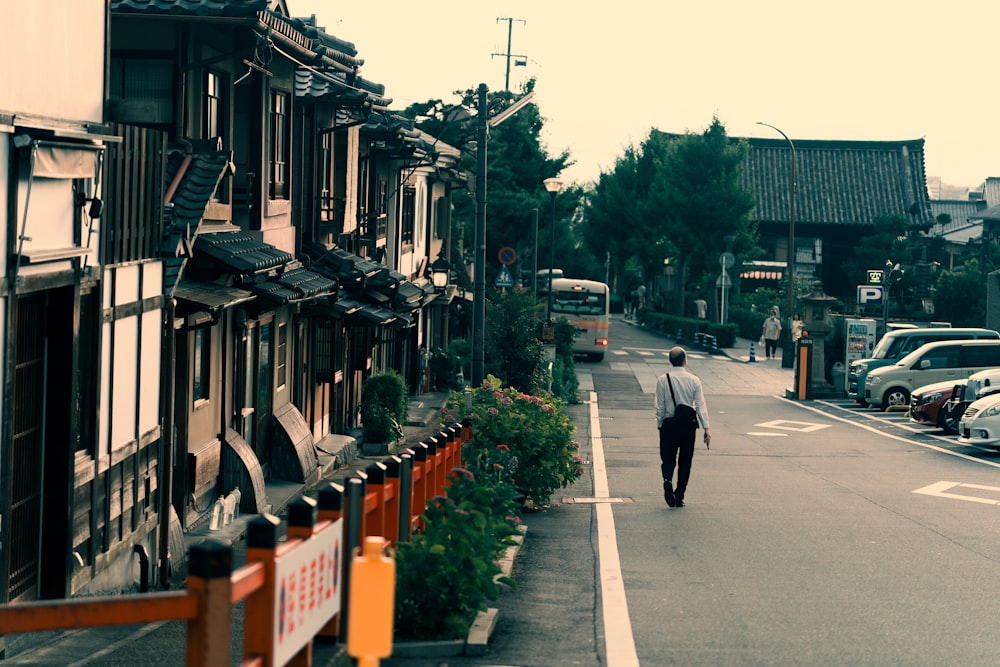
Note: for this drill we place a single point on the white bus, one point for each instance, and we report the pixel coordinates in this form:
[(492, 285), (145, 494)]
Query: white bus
[(586, 304)]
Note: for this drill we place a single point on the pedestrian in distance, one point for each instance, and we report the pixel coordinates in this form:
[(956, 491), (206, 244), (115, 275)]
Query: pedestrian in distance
[(633, 300), (770, 333), (701, 307), (796, 327), (680, 407)]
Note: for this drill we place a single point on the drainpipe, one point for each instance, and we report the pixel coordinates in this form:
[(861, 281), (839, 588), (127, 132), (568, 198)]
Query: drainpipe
[(167, 444)]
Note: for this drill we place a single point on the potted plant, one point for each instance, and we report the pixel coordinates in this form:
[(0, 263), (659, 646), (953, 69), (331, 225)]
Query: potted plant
[(384, 404)]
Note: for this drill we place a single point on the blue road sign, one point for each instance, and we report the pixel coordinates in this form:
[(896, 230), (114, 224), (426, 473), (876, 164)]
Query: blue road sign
[(504, 279)]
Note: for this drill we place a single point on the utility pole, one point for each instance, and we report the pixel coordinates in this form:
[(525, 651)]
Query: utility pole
[(521, 60)]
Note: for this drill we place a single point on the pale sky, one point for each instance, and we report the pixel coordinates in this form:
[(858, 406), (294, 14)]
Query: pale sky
[(608, 72)]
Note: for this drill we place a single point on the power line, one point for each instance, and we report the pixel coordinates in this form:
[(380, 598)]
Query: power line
[(520, 60)]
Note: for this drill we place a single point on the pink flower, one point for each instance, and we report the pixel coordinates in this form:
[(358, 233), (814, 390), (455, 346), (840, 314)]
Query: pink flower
[(507, 400), (449, 418), (493, 412), (503, 448)]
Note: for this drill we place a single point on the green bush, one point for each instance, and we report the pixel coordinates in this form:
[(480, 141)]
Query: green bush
[(448, 570), (384, 404), (535, 428), (725, 334), (446, 365)]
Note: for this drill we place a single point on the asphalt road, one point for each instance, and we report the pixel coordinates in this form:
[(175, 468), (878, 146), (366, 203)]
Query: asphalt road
[(813, 534), (810, 536)]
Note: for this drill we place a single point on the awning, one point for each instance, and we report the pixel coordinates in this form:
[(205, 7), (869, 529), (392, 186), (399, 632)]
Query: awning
[(373, 315), (408, 295), (200, 304), (351, 270), (295, 285), (209, 296), (345, 306), (241, 252), (61, 161)]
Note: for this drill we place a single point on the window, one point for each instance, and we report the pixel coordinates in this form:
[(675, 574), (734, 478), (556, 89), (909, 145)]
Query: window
[(146, 80), (382, 198), (201, 355), (280, 144), (407, 215), (280, 355), (212, 124), (981, 356), (325, 178)]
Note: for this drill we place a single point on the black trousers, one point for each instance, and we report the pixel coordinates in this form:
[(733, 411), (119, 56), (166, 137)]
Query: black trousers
[(771, 347), (677, 448)]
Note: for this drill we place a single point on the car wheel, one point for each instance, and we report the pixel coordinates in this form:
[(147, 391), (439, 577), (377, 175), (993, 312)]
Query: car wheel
[(895, 397), (947, 422)]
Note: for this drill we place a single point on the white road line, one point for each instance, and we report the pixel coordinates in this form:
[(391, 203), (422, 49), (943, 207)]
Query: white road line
[(619, 641), (940, 489), (890, 436)]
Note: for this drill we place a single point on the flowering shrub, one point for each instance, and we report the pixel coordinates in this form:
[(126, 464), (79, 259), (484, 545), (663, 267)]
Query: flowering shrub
[(535, 430), (448, 570)]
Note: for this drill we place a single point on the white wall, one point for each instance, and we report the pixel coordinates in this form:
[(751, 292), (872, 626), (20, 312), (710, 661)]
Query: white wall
[(53, 55)]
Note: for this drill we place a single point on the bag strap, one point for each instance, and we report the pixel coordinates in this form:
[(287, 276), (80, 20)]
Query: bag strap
[(671, 385)]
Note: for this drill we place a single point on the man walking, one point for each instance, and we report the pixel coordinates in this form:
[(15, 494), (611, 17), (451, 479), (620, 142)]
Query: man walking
[(679, 388), (770, 332)]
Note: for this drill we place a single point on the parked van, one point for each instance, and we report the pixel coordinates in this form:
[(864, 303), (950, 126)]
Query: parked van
[(943, 360), (897, 344)]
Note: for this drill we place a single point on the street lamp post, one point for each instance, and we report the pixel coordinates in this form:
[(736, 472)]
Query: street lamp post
[(791, 229), (553, 185), (479, 271)]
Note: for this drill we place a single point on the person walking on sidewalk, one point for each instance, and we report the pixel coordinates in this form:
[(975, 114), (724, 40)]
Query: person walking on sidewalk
[(770, 332), (680, 406)]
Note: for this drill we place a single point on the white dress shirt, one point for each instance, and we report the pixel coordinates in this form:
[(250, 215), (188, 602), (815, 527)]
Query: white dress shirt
[(687, 390)]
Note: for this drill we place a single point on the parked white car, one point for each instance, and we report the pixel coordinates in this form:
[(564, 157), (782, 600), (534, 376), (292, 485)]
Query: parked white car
[(980, 424)]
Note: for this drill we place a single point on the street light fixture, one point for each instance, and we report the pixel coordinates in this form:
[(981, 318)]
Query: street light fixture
[(553, 185), (440, 270), (791, 228)]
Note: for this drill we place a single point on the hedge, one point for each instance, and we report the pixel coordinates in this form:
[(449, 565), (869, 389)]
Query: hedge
[(725, 334)]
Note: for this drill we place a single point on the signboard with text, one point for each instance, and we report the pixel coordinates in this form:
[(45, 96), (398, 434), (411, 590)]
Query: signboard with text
[(307, 590)]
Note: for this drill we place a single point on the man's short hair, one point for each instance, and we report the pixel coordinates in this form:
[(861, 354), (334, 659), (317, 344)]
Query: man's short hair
[(677, 356)]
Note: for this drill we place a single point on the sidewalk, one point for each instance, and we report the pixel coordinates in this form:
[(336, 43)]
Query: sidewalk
[(102, 645)]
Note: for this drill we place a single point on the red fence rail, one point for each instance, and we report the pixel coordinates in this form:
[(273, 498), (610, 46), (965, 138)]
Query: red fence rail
[(385, 501)]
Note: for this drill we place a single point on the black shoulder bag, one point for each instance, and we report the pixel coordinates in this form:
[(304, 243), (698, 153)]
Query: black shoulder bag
[(684, 415)]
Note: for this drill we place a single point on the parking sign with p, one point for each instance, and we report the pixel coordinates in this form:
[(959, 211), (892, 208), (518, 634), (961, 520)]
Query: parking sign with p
[(870, 295)]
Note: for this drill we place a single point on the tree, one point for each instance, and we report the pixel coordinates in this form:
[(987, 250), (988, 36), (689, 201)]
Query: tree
[(960, 295), (513, 351), (696, 199), (517, 164)]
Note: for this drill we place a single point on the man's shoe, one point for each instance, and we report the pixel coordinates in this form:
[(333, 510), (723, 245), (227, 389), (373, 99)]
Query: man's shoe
[(668, 494), (679, 501)]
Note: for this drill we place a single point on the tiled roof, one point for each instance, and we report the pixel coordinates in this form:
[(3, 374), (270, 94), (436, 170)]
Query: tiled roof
[(197, 177), (992, 214), (351, 270), (991, 191), (197, 185), (233, 8), (241, 252), (294, 285), (960, 211), (210, 295), (838, 182)]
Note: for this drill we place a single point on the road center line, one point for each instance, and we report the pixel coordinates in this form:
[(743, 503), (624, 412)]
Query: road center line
[(619, 642)]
